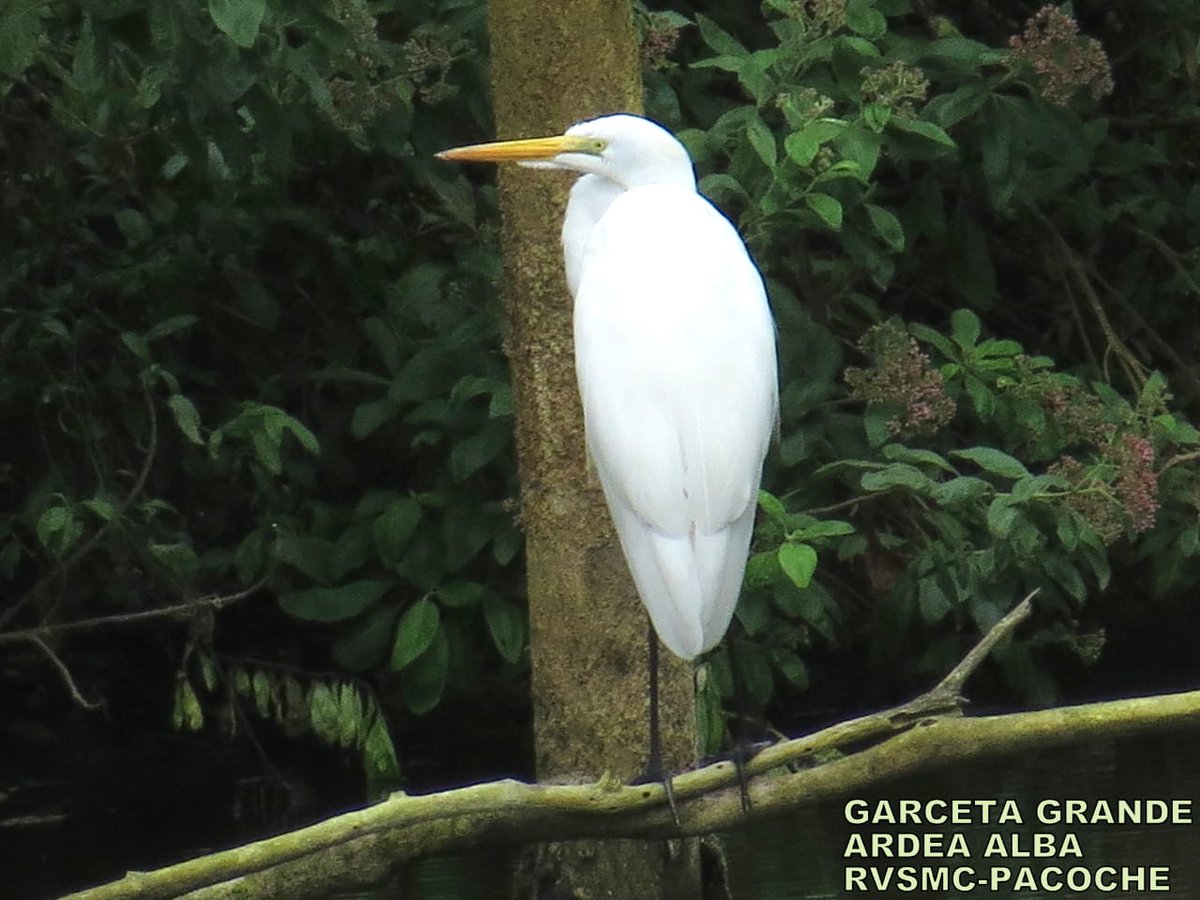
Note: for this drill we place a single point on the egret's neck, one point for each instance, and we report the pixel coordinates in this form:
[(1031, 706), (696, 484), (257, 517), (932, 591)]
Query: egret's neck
[(590, 198)]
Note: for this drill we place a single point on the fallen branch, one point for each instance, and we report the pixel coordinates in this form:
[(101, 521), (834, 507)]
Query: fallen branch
[(360, 848)]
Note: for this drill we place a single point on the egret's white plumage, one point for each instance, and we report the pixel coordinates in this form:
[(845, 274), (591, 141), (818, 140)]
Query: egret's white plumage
[(675, 356)]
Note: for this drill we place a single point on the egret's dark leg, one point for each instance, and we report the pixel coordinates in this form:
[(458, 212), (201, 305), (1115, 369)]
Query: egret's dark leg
[(655, 771), (743, 748)]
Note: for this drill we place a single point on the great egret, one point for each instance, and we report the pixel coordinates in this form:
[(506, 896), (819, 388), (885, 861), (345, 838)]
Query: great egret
[(675, 357)]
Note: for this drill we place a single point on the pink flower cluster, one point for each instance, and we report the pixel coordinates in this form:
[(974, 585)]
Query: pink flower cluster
[(658, 41), (1062, 61), (1118, 495), (901, 376)]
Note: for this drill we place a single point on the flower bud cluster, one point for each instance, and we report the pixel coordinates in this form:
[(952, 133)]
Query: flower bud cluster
[(1063, 62)]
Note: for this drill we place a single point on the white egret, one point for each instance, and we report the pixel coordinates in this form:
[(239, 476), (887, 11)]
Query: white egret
[(675, 358)]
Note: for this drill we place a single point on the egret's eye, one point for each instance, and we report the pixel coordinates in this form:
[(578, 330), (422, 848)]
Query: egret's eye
[(598, 146)]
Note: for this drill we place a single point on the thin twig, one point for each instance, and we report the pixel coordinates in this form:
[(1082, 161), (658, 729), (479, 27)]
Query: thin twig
[(1135, 370), (1181, 368), (176, 609), (67, 678)]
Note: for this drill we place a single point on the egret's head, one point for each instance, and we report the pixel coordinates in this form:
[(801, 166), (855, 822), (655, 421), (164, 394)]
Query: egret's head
[(626, 149)]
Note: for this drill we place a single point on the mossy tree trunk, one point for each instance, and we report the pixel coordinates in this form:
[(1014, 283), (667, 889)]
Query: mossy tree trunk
[(554, 64)]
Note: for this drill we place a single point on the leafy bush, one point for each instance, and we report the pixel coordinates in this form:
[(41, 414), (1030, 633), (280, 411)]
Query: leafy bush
[(242, 335), (251, 342), (880, 160)]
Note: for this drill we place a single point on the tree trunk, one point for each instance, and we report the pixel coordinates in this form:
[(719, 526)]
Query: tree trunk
[(554, 64)]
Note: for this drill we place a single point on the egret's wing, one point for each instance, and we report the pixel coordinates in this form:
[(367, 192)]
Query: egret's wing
[(675, 352)]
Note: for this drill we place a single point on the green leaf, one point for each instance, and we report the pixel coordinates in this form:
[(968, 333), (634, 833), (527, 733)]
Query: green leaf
[(936, 338), (135, 228), (762, 569), (323, 712), (187, 712), (771, 505), (1001, 164), (174, 165), (1001, 516), (801, 148), (861, 146), (918, 139), (719, 39), (363, 647), (887, 226), (896, 475), (179, 559), (87, 71), (992, 460), (753, 612), (862, 17), (964, 328), (260, 686), (932, 601), (379, 752), (963, 489), (826, 528), (762, 140), (351, 724), (506, 623), (426, 676), (791, 666), (877, 115), (828, 208), (415, 632), (369, 417), (799, 562), (1066, 574), (917, 457), (102, 507), (754, 672), (949, 109), (473, 453), (301, 433), (171, 326), (186, 417), (58, 530), (239, 19), (460, 594), (311, 555), (333, 604), (20, 29), (393, 529)]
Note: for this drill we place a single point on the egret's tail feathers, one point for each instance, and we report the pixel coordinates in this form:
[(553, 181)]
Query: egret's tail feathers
[(689, 584)]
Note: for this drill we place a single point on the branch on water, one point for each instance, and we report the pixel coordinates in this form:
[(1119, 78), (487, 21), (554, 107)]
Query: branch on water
[(361, 848)]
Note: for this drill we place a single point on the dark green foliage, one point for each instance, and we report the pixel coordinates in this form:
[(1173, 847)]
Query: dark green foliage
[(881, 159), (250, 337)]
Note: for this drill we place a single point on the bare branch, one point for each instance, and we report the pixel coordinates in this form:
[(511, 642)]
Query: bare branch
[(66, 675), (187, 608)]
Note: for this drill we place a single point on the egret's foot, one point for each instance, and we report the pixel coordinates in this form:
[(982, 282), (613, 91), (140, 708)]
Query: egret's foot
[(740, 754), (654, 773)]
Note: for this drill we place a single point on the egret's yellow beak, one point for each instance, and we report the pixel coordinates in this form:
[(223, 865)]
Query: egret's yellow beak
[(542, 148)]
